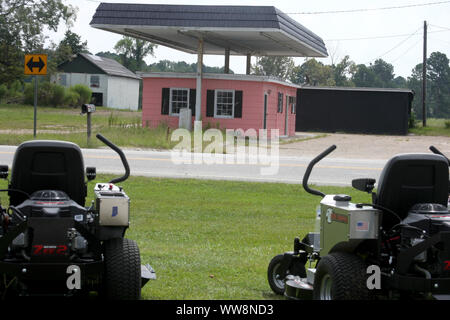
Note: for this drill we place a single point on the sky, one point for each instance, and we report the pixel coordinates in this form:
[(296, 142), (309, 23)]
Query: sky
[(394, 35)]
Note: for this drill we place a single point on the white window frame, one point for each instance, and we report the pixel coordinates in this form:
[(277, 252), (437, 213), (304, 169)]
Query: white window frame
[(215, 103), (170, 100)]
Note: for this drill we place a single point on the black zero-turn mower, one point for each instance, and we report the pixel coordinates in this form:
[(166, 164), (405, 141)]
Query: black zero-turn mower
[(47, 234), (402, 238)]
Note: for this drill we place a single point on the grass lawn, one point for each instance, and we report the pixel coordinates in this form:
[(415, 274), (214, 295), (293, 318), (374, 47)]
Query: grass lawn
[(214, 239), (435, 127), (123, 127)]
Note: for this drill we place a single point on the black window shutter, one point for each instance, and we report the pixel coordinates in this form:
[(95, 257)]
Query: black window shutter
[(165, 100), (280, 102), (192, 100), (238, 104), (210, 103)]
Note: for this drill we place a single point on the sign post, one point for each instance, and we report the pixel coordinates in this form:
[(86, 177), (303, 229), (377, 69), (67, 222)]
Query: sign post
[(36, 65)]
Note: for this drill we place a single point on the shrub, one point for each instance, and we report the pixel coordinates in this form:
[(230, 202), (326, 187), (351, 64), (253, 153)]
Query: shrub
[(28, 93), (412, 120), (3, 91), (45, 93), (447, 124), (71, 98), (58, 95), (84, 92)]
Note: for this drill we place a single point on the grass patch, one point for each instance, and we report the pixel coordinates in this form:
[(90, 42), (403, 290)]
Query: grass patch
[(123, 127), (215, 239), (435, 127)]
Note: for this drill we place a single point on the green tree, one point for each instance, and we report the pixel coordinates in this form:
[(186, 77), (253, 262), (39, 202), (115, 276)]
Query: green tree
[(281, 67), (73, 41), (109, 55), (364, 76), (379, 74), (313, 73), (22, 23), (342, 72), (438, 86), (132, 52), (384, 72)]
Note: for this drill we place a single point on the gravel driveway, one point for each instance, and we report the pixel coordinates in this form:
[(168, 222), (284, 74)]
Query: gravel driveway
[(357, 146)]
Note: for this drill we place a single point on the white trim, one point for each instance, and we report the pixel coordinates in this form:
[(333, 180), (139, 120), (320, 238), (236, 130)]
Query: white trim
[(232, 106), (218, 76), (170, 101)]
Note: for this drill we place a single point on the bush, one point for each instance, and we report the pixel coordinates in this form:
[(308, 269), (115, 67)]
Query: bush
[(412, 120), (3, 91), (71, 98), (447, 124), (84, 92), (58, 95), (45, 93), (28, 93)]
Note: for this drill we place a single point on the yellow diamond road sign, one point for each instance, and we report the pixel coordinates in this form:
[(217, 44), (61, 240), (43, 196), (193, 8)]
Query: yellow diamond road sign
[(36, 64)]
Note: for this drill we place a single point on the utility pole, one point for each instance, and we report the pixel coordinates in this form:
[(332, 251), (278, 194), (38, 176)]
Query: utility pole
[(424, 75)]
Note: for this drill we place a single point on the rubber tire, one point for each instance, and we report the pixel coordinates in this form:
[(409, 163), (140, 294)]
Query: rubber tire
[(122, 269), (274, 263), (348, 277)]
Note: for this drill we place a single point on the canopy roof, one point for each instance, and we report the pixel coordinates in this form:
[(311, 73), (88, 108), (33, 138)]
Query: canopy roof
[(254, 30)]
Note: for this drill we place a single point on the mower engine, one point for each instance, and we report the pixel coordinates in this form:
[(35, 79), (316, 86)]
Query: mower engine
[(52, 233), (422, 222)]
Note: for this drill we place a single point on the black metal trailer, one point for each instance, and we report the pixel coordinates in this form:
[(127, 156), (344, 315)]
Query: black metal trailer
[(353, 110)]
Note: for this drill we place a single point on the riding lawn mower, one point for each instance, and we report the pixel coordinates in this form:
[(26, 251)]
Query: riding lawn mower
[(396, 247), (50, 243)]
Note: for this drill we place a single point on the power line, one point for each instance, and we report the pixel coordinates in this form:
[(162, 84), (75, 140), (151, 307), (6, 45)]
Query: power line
[(384, 36), (396, 46), (406, 51), (372, 9)]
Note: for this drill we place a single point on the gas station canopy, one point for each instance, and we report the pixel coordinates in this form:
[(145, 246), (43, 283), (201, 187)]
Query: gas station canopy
[(239, 30)]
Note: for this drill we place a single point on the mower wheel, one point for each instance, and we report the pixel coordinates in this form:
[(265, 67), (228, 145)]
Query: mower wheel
[(276, 280), (340, 276), (122, 269)]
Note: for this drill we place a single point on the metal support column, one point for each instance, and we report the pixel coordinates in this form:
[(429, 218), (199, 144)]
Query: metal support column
[(227, 60), (35, 105), (198, 98), (249, 62)]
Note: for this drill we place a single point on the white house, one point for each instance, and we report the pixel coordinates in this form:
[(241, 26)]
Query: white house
[(112, 84)]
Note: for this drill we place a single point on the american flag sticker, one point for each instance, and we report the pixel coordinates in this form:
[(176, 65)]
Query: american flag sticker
[(362, 226)]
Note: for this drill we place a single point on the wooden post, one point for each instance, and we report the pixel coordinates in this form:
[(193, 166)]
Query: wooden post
[(424, 76)]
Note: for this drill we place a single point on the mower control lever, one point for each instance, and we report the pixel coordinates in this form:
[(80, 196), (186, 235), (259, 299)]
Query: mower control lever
[(122, 157), (309, 169), (436, 151)]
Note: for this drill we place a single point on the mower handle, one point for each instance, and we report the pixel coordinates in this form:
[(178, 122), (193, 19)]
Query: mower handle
[(309, 169), (122, 157), (436, 151)]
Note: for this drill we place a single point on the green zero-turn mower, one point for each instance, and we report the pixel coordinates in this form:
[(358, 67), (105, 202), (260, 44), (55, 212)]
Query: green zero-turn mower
[(398, 246), (50, 243)]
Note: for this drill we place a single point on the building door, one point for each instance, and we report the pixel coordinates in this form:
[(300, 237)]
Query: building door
[(286, 117), (265, 111)]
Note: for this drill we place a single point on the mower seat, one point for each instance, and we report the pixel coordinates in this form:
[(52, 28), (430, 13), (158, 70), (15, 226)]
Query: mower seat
[(408, 179), (48, 165)]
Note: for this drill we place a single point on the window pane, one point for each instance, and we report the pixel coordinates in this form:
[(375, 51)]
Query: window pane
[(224, 103), (95, 81), (179, 99)]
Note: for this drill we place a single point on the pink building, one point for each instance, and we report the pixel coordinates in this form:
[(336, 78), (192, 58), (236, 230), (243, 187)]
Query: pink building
[(229, 101)]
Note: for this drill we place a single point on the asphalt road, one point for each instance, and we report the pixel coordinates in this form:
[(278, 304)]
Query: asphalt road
[(290, 169)]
